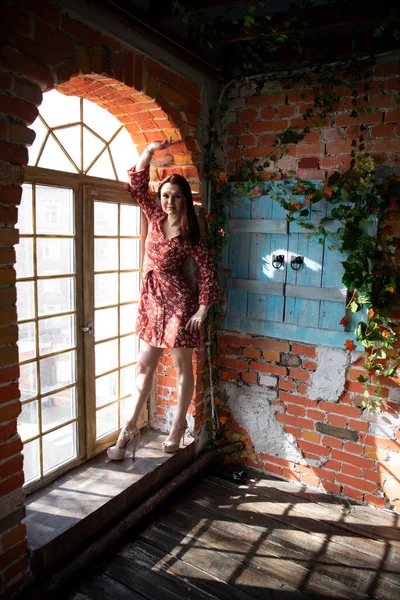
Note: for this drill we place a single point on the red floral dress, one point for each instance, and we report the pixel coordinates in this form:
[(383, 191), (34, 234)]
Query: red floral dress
[(167, 300)]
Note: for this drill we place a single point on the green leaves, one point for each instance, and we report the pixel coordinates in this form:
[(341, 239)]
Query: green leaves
[(248, 21), (355, 306), (334, 178), (378, 31), (358, 204)]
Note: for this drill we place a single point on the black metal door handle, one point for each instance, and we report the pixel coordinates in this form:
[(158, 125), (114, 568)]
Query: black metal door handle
[(297, 262)]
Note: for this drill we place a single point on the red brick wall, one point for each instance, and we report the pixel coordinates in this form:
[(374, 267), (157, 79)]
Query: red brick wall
[(366, 468), (166, 387), (48, 48), (255, 119)]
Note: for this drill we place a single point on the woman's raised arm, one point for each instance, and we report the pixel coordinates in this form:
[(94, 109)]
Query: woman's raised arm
[(145, 158), (139, 180)]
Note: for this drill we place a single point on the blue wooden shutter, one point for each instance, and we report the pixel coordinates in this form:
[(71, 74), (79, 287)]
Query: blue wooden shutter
[(305, 305)]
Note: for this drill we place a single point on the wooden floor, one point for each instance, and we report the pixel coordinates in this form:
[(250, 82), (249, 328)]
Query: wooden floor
[(266, 539)]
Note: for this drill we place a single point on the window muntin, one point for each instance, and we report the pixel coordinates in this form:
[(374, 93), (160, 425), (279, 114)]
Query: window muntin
[(46, 282), (68, 224), (77, 136), (116, 281)]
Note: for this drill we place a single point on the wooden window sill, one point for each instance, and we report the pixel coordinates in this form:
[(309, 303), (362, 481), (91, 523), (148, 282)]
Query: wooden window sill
[(67, 515)]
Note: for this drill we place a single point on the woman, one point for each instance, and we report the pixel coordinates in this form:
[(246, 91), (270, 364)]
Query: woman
[(169, 314)]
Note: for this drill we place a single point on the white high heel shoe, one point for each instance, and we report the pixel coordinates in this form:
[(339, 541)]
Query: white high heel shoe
[(170, 447), (132, 437)]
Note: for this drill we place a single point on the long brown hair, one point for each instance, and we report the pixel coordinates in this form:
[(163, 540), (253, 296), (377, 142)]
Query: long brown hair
[(190, 229)]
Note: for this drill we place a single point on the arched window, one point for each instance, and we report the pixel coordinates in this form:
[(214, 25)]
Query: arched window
[(75, 135), (78, 270)]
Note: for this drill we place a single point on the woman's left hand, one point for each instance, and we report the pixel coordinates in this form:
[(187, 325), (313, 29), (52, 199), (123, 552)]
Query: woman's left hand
[(197, 320)]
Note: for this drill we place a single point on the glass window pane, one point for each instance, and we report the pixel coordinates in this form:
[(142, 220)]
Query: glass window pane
[(56, 295), (41, 132), (70, 139), (57, 333), (106, 356), (124, 154), (24, 258), (26, 341), (102, 167), (105, 218), (54, 210), (105, 254), (28, 381), (130, 220), (58, 408), (25, 220), (129, 349), (25, 300), (128, 375), (100, 120), (31, 461), (126, 409), (92, 146), (55, 256), (57, 371), (129, 286), (28, 421), (130, 254), (59, 447), (106, 420), (127, 317), (54, 158), (107, 388), (58, 109), (105, 289), (106, 323)]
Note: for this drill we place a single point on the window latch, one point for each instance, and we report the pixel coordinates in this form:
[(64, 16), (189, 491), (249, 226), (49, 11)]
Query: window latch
[(88, 329)]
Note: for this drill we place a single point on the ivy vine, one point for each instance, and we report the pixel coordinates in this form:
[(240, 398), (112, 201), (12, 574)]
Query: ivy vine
[(357, 205), (357, 201)]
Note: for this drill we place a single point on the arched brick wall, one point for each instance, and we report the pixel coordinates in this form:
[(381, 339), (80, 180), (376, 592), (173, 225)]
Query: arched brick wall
[(45, 48), (147, 118)]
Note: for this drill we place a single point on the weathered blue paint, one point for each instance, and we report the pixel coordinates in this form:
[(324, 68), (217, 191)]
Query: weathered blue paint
[(249, 257), (307, 335)]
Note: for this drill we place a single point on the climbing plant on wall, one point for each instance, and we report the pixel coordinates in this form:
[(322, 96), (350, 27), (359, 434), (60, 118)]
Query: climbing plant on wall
[(357, 207), (354, 195)]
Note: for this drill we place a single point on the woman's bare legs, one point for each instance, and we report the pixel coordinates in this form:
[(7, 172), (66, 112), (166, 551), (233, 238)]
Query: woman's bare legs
[(182, 358), (145, 369)]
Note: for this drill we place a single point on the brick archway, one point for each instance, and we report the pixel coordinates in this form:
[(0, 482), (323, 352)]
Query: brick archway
[(146, 119), (44, 47)]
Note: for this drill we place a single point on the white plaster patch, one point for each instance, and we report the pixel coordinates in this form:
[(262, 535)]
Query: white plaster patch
[(230, 117), (315, 462), (393, 459), (252, 410), (250, 89), (268, 381), (385, 431), (388, 419), (238, 103), (394, 395), (327, 382)]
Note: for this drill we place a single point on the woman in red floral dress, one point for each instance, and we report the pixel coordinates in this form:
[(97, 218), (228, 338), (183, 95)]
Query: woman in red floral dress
[(170, 314)]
